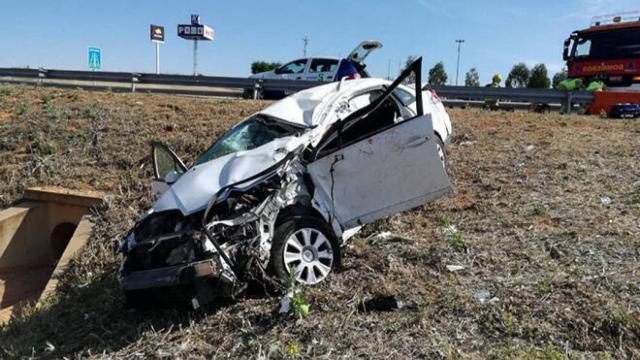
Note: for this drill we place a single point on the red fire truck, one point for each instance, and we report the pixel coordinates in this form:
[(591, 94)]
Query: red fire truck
[(608, 51)]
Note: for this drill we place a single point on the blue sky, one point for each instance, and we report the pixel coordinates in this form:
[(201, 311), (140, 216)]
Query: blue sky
[(498, 34)]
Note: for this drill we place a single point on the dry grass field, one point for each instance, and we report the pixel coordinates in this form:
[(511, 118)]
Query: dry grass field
[(543, 224)]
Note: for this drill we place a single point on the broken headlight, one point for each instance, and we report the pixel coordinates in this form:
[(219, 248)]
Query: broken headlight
[(234, 201), (128, 243)]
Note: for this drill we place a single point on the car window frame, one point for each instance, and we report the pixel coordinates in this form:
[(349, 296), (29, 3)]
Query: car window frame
[(399, 98), (179, 165), (311, 71), (336, 129), (280, 69), (341, 143)]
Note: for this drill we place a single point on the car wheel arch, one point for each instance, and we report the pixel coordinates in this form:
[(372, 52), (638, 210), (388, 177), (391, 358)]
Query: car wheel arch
[(297, 211), (436, 133)]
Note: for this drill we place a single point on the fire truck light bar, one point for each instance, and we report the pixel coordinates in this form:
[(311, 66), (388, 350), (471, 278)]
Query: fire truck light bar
[(610, 19)]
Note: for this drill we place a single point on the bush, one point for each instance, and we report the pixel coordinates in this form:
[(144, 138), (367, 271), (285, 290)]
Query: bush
[(262, 66)]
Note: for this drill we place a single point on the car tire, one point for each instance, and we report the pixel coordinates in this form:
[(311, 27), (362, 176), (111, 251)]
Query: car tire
[(305, 243), (442, 152)]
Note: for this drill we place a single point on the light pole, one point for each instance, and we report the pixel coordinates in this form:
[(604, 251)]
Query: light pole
[(459, 41), (306, 42)]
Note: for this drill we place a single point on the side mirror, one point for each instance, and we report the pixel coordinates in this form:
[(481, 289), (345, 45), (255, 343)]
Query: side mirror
[(167, 167), (565, 50), (171, 177)]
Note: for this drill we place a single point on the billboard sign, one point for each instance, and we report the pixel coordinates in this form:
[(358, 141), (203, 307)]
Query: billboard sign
[(208, 33), (94, 58), (156, 33), (195, 32)]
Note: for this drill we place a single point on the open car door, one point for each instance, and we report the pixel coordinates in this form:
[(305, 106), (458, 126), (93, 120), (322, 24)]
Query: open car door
[(167, 167), (366, 168)]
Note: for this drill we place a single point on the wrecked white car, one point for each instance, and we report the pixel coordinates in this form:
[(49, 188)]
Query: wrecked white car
[(280, 191)]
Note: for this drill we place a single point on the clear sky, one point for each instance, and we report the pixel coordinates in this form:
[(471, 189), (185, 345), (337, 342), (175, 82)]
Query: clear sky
[(498, 34)]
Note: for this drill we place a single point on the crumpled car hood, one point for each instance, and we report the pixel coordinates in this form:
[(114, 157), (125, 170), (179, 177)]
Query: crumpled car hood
[(194, 188)]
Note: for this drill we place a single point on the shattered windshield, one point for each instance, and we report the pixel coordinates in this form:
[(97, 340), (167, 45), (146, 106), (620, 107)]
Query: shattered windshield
[(249, 134)]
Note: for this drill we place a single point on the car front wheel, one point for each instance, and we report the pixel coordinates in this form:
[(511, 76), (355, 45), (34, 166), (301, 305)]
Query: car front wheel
[(305, 247)]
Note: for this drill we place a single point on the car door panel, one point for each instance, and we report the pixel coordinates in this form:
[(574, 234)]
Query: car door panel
[(322, 69), (394, 170)]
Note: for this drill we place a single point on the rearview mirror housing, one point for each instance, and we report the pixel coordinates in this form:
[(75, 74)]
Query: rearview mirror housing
[(171, 177), (565, 50)]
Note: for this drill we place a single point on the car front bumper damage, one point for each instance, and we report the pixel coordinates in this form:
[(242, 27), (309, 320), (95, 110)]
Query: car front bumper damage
[(185, 274)]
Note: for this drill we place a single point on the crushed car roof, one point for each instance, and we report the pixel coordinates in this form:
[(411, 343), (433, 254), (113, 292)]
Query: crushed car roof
[(299, 108)]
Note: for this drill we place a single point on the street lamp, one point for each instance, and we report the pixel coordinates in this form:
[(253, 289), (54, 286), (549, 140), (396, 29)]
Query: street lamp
[(459, 41)]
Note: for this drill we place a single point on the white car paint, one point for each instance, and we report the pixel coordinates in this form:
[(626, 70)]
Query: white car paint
[(191, 192), (360, 182), (316, 109)]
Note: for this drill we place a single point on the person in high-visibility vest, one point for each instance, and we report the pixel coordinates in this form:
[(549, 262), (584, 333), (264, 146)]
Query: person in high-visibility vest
[(495, 81), (492, 104), (578, 84)]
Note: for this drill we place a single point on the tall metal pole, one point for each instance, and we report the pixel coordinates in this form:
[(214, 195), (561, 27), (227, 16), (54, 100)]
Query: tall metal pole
[(459, 41), (304, 49), (195, 57), (157, 57)]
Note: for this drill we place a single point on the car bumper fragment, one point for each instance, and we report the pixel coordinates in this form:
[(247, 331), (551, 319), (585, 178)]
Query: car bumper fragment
[(169, 276)]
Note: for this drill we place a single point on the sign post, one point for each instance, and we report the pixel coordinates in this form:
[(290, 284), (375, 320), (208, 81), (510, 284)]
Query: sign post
[(195, 57), (195, 31), (157, 58), (94, 58), (156, 33)]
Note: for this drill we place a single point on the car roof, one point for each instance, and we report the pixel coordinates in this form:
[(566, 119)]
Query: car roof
[(315, 58), (299, 108), (325, 58)]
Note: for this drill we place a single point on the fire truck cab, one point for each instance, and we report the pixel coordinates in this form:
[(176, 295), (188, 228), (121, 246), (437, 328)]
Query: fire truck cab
[(609, 50)]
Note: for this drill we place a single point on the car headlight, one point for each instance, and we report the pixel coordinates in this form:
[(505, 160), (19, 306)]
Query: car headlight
[(128, 243)]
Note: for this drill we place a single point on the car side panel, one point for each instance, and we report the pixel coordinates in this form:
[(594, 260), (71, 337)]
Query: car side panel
[(391, 171)]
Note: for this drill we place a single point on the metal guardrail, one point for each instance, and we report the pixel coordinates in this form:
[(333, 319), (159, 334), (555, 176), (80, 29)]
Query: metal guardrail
[(258, 86), (545, 96)]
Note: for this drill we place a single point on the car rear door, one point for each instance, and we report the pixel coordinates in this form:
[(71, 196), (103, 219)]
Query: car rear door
[(377, 169), (322, 69)]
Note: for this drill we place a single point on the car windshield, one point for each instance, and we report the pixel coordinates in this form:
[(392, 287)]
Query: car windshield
[(249, 134), (612, 44)]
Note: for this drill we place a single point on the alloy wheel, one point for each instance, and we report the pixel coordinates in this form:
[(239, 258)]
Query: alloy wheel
[(309, 254)]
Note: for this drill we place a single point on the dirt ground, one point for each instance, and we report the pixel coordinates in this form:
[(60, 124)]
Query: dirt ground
[(542, 229)]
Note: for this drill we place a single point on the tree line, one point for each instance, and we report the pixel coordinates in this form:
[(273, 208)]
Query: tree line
[(520, 76)]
